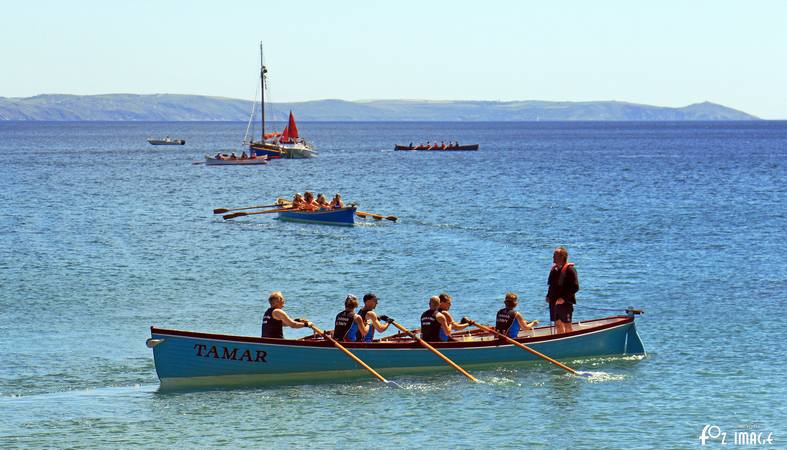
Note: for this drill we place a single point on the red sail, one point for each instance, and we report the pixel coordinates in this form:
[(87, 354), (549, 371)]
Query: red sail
[(293, 130), (285, 135)]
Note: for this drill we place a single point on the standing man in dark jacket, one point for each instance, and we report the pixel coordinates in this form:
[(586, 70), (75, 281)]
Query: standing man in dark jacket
[(563, 285)]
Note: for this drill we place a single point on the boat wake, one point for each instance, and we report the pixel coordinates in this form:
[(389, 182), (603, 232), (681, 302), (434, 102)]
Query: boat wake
[(601, 377)]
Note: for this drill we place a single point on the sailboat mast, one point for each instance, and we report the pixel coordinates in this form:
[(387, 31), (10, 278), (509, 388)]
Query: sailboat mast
[(263, 71)]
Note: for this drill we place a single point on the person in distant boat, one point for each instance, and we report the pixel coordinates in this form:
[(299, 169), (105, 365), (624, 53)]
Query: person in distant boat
[(322, 202), (297, 201), (274, 318), (434, 326), (442, 145), (510, 322), (233, 156), (347, 323), (309, 203), (370, 320), (243, 156), (337, 202), (219, 156), (563, 284), (445, 305)]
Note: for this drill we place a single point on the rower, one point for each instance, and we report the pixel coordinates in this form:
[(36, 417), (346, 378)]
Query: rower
[(508, 321), (275, 317), (297, 201), (434, 326), (337, 202), (369, 320), (345, 327), (322, 202), (445, 305), (309, 204)]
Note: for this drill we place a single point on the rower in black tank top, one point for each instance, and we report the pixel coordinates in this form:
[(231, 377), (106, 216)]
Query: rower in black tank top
[(430, 327), (271, 328), (344, 321)]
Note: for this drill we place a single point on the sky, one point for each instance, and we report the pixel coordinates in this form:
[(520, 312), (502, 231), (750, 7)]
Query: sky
[(666, 53)]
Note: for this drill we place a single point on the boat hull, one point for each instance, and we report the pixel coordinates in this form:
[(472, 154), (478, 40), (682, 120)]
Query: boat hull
[(282, 151), (343, 216), (185, 358), (461, 148), (165, 142), (211, 161)]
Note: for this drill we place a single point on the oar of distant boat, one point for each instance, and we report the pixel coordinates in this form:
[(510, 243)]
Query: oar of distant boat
[(225, 210), (365, 214), (243, 213)]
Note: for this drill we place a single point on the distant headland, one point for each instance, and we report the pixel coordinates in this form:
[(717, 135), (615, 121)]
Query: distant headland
[(175, 107)]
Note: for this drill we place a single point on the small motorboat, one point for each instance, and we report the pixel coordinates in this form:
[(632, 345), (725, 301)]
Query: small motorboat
[(228, 160), (166, 141), (442, 147), (188, 358)]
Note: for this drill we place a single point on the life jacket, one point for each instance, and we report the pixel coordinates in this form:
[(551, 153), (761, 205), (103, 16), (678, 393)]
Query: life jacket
[(430, 327), (563, 270), (370, 335), (345, 328), (271, 328), (506, 322), (556, 282)]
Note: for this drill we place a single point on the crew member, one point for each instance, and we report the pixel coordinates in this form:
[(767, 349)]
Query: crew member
[(345, 327), (369, 319), (434, 326), (275, 317), (509, 321), (337, 202), (445, 305), (297, 201), (563, 285)]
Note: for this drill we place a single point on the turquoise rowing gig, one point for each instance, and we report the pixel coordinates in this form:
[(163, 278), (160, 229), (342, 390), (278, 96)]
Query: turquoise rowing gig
[(187, 358)]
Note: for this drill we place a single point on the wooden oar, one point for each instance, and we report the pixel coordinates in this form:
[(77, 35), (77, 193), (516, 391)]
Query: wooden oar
[(375, 216), (435, 351), (525, 347), (239, 214), (225, 210), (353, 357)]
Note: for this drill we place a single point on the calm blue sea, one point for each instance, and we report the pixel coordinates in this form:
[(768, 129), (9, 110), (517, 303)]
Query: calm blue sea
[(103, 235)]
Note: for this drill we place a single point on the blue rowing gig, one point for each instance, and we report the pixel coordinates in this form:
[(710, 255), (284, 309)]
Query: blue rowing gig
[(186, 358), (340, 216)]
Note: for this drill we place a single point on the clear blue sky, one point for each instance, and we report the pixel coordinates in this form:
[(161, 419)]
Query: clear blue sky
[(669, 53)]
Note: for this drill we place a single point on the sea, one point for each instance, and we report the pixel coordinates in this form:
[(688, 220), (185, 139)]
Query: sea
[(103, 236)]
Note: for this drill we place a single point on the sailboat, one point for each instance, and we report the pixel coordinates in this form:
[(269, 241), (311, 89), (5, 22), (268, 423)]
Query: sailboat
[(287, 144)]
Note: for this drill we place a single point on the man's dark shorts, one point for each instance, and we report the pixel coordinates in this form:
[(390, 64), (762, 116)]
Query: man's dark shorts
[(563, 312)]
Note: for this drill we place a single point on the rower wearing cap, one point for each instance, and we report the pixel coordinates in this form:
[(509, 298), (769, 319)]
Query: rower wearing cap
[(297, 201), (508, 321), (369, 319), (345, 327), (274, 318)]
